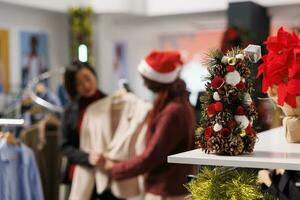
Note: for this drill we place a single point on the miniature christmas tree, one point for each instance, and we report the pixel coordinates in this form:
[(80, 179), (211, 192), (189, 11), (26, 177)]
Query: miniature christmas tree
[(228, 113)]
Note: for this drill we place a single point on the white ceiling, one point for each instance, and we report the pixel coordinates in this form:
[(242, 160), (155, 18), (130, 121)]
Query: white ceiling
[(143, 7)]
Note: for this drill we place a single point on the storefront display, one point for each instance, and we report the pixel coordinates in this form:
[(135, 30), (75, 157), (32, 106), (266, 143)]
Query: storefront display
[(227, 124)]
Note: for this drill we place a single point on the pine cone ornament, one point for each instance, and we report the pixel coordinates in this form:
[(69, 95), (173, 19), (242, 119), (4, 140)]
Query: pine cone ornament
[(235, 146), (219, 70), (249, 86), (252, 112), (215, 145), (244, 70), (227, 113), (231, 91), (249, 143), (223, 117)]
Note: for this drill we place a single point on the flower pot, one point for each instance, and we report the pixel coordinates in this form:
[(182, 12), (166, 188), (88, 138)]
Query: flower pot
[(291, 120)]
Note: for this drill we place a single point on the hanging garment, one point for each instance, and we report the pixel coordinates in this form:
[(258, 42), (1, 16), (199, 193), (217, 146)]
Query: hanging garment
[(43, 139), (19, 177), (122, 144)]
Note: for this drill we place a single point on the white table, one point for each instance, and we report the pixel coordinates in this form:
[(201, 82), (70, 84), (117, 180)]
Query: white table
[(271, 151)]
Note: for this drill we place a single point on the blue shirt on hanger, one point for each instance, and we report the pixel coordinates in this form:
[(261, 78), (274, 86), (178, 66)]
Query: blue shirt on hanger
[(19, 177)]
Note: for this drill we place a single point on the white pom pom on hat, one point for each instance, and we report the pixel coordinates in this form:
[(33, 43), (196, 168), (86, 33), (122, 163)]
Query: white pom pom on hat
[(161, 66)]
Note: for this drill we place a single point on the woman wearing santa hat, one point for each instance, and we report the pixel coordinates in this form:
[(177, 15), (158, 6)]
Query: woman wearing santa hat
[(170, 131)]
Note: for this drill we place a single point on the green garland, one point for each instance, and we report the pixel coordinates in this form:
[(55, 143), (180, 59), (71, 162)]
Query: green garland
[(226, 184), (81, 31)]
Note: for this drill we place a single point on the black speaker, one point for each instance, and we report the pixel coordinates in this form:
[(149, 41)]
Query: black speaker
[(250, 16)]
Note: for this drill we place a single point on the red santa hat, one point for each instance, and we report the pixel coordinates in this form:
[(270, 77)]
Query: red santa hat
[(161, 66)]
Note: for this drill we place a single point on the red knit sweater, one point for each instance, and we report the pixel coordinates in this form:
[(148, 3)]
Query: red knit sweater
[(171, 132)]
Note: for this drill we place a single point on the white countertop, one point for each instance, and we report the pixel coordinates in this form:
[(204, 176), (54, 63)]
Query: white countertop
[(271, 151)]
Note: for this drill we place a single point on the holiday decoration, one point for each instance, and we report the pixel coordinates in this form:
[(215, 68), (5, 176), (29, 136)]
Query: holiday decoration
[(161, 66), (227, 184), (281, 78), (228, 113), (80, 20)]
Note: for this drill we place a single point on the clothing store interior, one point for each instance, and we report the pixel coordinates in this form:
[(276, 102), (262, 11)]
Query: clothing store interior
[(149, 100)]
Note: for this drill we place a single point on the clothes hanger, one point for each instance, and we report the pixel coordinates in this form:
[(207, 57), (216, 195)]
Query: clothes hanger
[(10, 138), (52, 120), (119, 96)]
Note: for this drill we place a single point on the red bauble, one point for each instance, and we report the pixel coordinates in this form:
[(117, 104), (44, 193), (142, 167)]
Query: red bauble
[(225, 132), (249, 131), (240, 110), (211, 110), (230, 68), (232, 124), (208, 132), (218, 106), (240, 85), (217, 82)]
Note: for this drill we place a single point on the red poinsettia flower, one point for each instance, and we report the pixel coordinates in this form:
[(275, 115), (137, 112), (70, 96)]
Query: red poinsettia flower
[(281, 66), (294, 71), (211, 111), (217, 82), (225, 132), (208, 132), (287, 92)]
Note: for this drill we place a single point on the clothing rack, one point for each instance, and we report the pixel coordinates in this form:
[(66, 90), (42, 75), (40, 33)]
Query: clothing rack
[(11, 122), (30, 89)]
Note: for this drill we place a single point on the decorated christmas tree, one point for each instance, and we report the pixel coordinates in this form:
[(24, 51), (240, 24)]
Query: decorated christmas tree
[(228, 114)]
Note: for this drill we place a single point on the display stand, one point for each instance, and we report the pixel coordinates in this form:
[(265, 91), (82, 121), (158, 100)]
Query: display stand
[(271, 151)]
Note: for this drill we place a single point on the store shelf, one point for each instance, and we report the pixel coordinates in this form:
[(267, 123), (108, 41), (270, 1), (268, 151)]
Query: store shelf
[(271, 151)]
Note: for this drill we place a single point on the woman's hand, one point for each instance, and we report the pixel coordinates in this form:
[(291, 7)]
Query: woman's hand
[(109, 164), (95, 159)]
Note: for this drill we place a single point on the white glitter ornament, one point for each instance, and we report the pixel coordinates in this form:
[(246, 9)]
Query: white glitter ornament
[(239, 56), (224, 59), (233, 78), (217, 127), (247, 99), (242, 120), (216, 96)]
